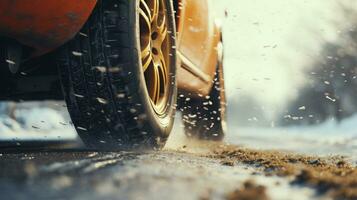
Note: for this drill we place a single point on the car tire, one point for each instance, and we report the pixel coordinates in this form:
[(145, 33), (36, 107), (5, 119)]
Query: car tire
[(119, 93), (205, 118)]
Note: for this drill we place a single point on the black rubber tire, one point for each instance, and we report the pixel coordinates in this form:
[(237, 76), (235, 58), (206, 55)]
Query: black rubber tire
[(104, 85), (205, 118)]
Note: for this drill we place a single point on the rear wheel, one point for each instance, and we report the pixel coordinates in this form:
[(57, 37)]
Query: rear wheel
[(118, 75), (205, 118)]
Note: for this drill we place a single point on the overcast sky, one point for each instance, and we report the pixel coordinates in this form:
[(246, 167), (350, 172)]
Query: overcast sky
[(269, 42)]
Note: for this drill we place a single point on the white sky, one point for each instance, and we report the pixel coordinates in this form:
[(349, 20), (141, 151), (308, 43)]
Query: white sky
[(269, 42)]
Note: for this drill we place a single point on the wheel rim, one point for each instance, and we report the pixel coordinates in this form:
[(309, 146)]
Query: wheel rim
[(155, 43)]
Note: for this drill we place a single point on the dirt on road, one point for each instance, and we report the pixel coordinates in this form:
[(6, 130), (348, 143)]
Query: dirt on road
[(332, 176)]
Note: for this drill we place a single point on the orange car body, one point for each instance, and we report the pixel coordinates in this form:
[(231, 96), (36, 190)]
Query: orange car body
[(46, 25), (43, 25)]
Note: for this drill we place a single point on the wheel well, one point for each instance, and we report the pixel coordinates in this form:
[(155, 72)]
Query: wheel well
[(31, 78)]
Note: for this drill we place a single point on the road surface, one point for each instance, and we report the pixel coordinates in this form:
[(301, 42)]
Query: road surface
[(74, 174), (191, 170)]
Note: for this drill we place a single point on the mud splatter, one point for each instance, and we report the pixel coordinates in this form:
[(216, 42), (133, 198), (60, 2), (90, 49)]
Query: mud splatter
[(331, 176), (249, 191)]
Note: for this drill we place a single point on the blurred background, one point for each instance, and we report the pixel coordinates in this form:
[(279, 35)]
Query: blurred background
[(291, 78), (291, 70)]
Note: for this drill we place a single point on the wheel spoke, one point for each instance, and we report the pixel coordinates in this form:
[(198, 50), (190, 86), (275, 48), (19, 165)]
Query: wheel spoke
[(156, 88), (146, 19), (147, 60), (162, 24), (163, 32), (146, 15), (163, 68), (146, 10), (146, 56), (145, 51), (156, 11)]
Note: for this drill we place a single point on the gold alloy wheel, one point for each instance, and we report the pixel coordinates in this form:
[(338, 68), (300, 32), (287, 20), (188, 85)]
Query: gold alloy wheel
[(155, 51)]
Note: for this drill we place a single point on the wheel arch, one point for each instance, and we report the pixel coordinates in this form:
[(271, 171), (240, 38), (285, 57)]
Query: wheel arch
[(198, 66)]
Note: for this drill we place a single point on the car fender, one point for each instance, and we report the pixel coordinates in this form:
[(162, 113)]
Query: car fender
[(43, 25)]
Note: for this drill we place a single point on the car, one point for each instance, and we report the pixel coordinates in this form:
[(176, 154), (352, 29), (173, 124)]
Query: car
[(123, 67)]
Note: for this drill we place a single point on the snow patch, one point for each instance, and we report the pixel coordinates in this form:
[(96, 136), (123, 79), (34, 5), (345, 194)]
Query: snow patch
[(36, 124), (330, 138)]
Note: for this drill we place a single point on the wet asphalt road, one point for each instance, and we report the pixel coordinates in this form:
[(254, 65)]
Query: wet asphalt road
[(169, 174), (75, 174)]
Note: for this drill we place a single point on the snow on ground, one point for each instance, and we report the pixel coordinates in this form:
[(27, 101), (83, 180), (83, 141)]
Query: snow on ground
[(329, 138), (36, 123)]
